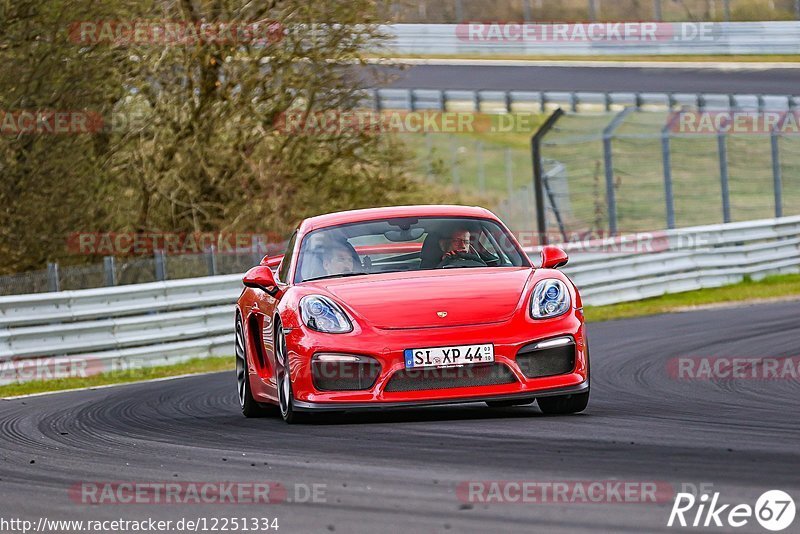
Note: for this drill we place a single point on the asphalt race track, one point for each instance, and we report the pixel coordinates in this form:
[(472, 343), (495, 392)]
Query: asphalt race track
[(399, 471), (600, 79)]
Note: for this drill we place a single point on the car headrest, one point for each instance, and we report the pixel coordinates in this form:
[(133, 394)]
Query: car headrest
[(431, 253)]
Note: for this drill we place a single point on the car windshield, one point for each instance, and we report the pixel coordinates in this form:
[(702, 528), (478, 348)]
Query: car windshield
[(405, 244)]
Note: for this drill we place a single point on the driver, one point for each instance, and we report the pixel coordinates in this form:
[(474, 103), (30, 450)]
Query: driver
[(338, 260), (457, 246)]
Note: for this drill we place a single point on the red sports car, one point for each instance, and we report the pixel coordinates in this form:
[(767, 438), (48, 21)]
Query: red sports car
[(409, 306)]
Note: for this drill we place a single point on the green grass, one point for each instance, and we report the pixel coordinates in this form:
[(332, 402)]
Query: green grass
[(749, 290), (193, 366), (770, 287)]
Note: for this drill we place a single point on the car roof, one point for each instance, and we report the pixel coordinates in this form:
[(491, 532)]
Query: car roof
[(370, 214)]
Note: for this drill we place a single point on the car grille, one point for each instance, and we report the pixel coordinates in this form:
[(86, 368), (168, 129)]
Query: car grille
[(347, 376), (450, 377), (536, 363)]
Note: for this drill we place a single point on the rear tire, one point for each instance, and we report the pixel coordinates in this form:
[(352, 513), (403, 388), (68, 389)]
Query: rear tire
[(564, 404), (249, 406)]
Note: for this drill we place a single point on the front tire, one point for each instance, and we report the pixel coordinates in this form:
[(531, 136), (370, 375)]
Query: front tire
[(564, 404), (283, 378), (249, 406)]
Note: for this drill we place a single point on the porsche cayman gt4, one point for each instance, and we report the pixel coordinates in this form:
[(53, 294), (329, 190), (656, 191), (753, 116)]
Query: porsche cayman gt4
[(409, 306)]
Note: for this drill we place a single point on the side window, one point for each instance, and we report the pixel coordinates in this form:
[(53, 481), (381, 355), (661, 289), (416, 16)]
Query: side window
[(283, 271)]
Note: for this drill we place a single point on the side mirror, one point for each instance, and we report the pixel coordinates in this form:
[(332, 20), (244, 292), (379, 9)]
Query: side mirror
[(553, 257), (261, 277)]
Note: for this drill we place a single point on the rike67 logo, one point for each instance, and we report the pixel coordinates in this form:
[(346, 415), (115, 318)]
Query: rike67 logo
[(774, 510)]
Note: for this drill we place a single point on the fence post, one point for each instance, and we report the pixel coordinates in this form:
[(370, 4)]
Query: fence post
[(722, 149), (726, 6), (657, 10), (592, 10), (797, 9), (459, 11), (481, 168), (611, 196), (509, 174), (110, 269), (161, 265), (428, 156), (777, 179), (211, 261), (52, 277), (454, 163), (527, 12), (665, 157), (538, 175)]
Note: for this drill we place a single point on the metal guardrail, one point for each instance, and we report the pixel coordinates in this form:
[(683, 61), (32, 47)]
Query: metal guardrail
[(540, 101), (713, 38), (168, 322)]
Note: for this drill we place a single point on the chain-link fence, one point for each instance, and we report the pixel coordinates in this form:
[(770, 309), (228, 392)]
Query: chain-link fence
[(455, 11), (123, 271), (635, 171)]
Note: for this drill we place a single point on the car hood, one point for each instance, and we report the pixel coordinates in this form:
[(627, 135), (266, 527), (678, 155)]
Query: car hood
[(419, 299)]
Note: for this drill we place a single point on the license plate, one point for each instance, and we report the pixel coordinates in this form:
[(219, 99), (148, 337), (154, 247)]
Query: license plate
[(449, 356)]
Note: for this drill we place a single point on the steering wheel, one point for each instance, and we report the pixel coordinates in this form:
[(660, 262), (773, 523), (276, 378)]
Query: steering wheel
[(462, 259)]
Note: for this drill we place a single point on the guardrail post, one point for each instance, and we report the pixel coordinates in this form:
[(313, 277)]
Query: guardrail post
[(538, 174), (611, 196), (666, 159), (53, 283), (211, 261), (777, 178), (722, 149), (442, 99), (110, 270), (376, 95), (508, 102), (410, 100), (160, 264)]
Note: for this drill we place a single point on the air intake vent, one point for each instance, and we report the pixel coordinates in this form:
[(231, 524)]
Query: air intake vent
[(450, 377), (538, 362)]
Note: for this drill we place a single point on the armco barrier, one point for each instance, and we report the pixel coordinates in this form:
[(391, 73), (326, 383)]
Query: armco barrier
[(168, 322), (707, 38)]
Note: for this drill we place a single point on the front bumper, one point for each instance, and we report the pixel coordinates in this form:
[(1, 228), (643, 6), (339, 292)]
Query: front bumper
[(387, 347), (345, 406)]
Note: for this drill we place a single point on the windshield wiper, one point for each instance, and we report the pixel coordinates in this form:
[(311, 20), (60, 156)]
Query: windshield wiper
[(340, 275)]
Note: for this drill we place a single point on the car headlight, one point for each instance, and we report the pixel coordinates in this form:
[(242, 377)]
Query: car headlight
[(550, 299), (323, 315)]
